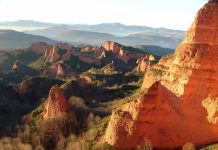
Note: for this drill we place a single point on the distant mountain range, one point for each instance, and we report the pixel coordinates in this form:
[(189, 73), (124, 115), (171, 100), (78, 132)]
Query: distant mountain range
[(116, 29), (67, 34), (96, 34)]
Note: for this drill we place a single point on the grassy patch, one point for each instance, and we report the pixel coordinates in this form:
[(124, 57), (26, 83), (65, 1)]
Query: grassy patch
[(98, 130), (39, 64)]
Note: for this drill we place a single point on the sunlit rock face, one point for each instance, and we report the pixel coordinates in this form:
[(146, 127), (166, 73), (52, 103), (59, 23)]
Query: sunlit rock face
[(205, 28), (143, 64), (182, 107), (64, 52), (116, 49), (195, 62), (112, 46), (51, 54), (61, 51), (120, 51), (57, 104)]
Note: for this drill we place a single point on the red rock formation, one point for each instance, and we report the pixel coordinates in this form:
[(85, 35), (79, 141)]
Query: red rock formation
[(51, 54), (39, 48), (143, 64), (156, 72), (63, 52), (62, 71), (182, 107), (119, 51), (23, 87), (51, 70), (57, 104), (116, 49), (112, 46)]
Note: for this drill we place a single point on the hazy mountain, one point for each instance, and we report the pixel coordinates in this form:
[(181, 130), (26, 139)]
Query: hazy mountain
[(66, 34), (25, 25), (10, 39), (96, 34), (124, 30), (28, 23), (149, 39), (111, 28)]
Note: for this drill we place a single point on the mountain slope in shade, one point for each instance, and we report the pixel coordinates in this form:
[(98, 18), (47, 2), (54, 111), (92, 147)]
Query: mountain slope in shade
[(155, 50), (10, 39)]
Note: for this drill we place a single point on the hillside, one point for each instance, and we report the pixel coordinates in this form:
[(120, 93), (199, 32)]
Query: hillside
[(155, 50), (10, 39)]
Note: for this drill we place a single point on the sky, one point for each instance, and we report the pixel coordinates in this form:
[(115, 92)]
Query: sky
[(173, 14)]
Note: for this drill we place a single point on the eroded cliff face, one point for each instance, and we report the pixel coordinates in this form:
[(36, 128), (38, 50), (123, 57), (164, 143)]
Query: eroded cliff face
[(51, 54), (182, 106), (112, 46), (119, 51), (57, 104), (144, 63), (64, 52)]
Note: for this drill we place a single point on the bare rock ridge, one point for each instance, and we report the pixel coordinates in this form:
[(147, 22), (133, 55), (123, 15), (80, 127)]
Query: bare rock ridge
[(112, 46), (182, 106), (121, 52), (116, 49), (57, 104), (144, 63), (109, 51), (63, 52)]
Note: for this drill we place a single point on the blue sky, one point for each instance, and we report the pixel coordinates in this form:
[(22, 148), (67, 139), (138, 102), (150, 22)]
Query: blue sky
[(175, 14)]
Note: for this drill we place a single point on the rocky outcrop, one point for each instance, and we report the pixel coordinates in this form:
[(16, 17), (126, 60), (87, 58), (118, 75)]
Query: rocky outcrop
[(182, 106), (51, 71), (62, 70), (115, 48), (112, 46), (65, 71), (60, 51), (122, 52), (155, 72), (36, 88), (64, 52), (51, 54), (143, 64), (56, 104), (39, 48), (59, 70)]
